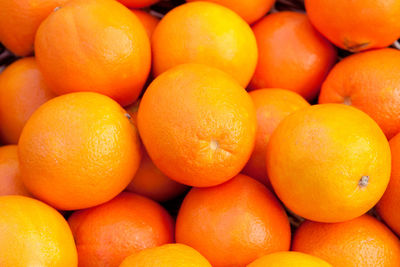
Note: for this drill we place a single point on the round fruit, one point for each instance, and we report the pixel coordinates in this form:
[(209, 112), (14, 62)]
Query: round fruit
[(358, 24), (22, 91), (363, 241), (289, 259), (167, 256), (10, 178), (78, 150), (334, 160), (148, 21), (94, 45), (197, 124), (250, 11), (34, 234), (138, 3), (272, 106), (388, 206), (368, 81), (19, 21), (105, 235), (297, 62), (234, 223), (150, 182), (206, 33)]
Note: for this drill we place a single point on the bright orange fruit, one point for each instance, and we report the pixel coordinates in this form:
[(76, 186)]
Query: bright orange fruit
[(22, 91), (289, 259), (328, 163), (94, 45), (197, 124), (106, 234), (234, 223), (149, 22), (78, 150)]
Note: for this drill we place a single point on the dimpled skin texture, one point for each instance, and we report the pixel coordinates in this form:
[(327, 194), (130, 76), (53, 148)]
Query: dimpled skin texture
[(34, 234), (316, 159), (19, 20), (198, 125), (349, 24), (150, 182), (205, 33), (389, 205), (272, 106), (289, 259), (10, 177), (105, 235), (169, 255), (250, 11), (149, 21), (363, 241), (369, 81), (292, 54), (78, 150), (22, 91), (138, 3), (94, 45), (234, 223)]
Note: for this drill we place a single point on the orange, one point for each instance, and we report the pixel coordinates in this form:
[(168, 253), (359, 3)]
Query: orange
[(105, 235), (358, 24), (368, 81), (250, 11), (206, 33), (234, 223), (272, 106), (34, 234), (94, 45), (10, 178), (328, 163), (167, 256), (78, 150), (22, 91), (389, 206), (363, 241), (289, 259), (138, 3), (150, 182), (197, 124), (19, 21), (149, 22), (292, 54)]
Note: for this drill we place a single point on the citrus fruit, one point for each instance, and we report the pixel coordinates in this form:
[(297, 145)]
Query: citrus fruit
[(234, 223), (19, 21), (94, 45), (78, 150), (358, 24), (363, 241), (328, 163), (289, 259), (250, 11), (205, 33), (10, 177), (34, 234), (388, 206), (272, 105), (166, 256), (150, 182), (149, 22), (292, 54), (22, 91), (106, 234), (198, 125), (138, 3), (368, 81)]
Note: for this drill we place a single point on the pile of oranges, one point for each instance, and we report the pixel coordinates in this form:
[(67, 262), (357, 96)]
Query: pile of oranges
[(220, 133)]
